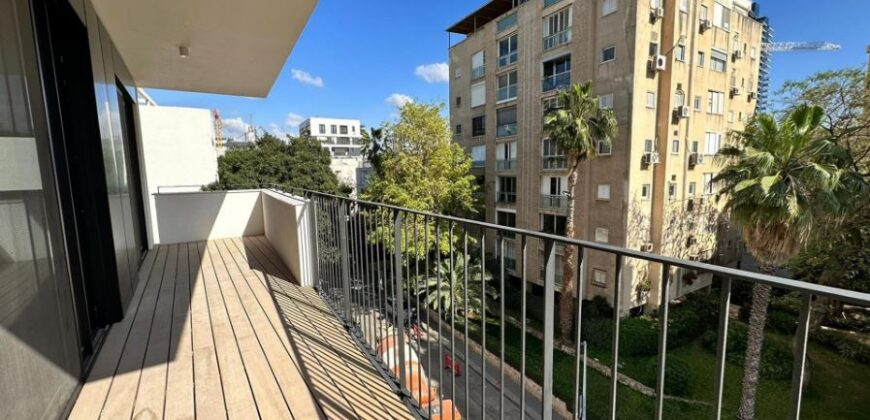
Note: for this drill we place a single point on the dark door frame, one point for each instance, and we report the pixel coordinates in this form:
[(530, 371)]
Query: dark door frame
[(131, 148)]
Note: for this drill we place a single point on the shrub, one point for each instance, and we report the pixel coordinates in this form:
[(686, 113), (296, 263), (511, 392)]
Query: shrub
[(692, 318), (843, 344), (597, 307), (782, 321), (598, 333), (678, 376), (776, 357), (637, 336)]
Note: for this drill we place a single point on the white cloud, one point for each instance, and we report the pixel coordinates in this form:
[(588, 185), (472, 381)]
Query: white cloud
[(234, 127), (277, 131), (293, 120), (398, 99), (306, 78), (433, 73)]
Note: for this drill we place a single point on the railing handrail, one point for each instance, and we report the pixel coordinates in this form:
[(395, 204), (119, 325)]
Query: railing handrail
[(843, 295)]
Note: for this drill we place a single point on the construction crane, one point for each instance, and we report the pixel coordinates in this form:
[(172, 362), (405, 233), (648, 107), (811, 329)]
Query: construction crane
[(801, 46)]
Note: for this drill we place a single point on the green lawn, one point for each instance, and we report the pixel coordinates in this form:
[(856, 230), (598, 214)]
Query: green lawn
[(837, 390)]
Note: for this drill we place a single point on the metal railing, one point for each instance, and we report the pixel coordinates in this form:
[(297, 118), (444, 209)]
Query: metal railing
[(554, 202), (556, 81), (505, 197), (505, 164), (478, 72), (506, 93), (506, 130), (557, 39), (554, 162), (507, 59), (376, 268)]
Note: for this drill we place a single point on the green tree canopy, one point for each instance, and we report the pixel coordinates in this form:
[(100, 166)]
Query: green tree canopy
[(299, 163)]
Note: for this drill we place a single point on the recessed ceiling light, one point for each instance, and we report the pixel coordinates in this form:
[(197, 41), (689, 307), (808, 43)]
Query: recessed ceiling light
[(183, 52)]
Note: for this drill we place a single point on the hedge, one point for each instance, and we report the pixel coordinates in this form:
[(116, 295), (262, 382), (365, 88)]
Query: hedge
[(637, 336), (678, 376), (843, 344), (776, 357)]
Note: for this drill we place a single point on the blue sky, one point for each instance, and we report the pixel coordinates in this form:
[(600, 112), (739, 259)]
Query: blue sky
[(357, 59)]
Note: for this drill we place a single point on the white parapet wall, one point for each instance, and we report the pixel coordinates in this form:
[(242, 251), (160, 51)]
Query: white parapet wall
[(202, 215), (288, 224)]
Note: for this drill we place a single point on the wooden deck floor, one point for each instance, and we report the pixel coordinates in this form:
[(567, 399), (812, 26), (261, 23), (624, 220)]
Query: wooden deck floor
[(220, 330)]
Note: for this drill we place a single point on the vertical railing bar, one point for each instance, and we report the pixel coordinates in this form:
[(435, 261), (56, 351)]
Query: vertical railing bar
[(664, 301), (316, 245), (428, 317), (483, 325), (580, 281), (440, 309), (394, 319), (417, 300), (502, 251), (617, 308), (452, 312), (721, 344), (400, 311), (345, 263), (406, 258), (367, 297), (336, 240), (549, 332), (584, 380), (800, 356), (523, 309), (382, 278), (353, 263), (465, 295)]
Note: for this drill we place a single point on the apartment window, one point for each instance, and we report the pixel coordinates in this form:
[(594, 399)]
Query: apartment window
[(549, 148), (507, 51), (701, 58), (458, 101), (608, 7), (602, 235), (506, 156), (478, 156), (702, 14), (648, 146), (333, 129), (557, 73), (507, 189), (457, 73), (506, 218), (645, 191), (715, 102), (679, 98), (712, 143), (557, 29), (653, 49), (550, 104), (606, 101), (675, 147), (752, 53), (551, 223), (342, 129), (458, 129), (478, 126), (506, 120), (353, 129), (672, 191), (507, 22), (507, 87), (731, 116), (553, 185), (608, 54), (650, 99), (478, 65), (680, 52), (603, 192), (605, 148), (322, 128), (547, 3), (692, 187), (718, 61), (599, 277), (721, 16), (478, 94), (694, 147), (684, 6), (697, 104), (708, 184)]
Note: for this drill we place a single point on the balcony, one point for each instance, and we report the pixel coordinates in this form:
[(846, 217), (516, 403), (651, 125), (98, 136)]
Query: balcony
[(506, 130), (505, 197), (504, 165), (559, 38), (550, 163), (478, 72), (478, 163), (556, 81), (507, 93), (508, 59), (551, 202)]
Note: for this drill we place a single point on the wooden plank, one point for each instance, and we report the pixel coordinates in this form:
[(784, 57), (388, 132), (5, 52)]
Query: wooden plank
[(267, 394), (208, 392), (259, 307), (93, 394), (151, 393), (180, 403), (234, 378), (122, 393)]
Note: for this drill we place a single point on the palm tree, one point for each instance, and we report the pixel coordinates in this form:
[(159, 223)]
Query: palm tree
[(577, 125), (437, 290), (374, 147), (779, 182)]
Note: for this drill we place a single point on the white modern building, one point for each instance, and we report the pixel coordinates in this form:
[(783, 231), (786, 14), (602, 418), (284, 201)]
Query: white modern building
[(343, 139)]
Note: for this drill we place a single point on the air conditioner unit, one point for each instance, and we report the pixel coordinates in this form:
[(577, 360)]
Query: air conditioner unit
[(706, 24), (751, 95), (646, 247), (658, 63), (735, 91), (738, 54), (699, 159), (651, 158), (682, 112), (657, 13), (693, 159)]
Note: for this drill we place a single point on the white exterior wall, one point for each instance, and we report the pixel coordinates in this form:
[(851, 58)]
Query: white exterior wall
[(202, 215), (289, 227), (177, 150)]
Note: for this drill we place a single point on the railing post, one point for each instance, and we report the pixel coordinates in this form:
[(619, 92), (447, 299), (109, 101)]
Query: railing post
[(549, 307), (315, 239), (800, 357), (345, 267), (664, 299), (397, 291), (721, 347), (617, 308)]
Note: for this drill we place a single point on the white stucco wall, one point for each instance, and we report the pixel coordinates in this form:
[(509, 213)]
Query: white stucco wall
[(177, 149), (196, 216), (288, 224), (345, 169)]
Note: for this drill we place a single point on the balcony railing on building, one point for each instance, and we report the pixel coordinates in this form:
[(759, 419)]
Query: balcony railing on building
[(478, 163), (559, 38), (508, 59), (506, 130), (556, 81), (554, 202), (478, 72), (506, 164), (554, 162), (367, 276), (505, 197), (506, 93)]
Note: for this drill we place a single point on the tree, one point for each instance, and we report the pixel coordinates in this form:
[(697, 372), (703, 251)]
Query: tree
[(780, 181), (577, 125), (299, 163), (444, 288)]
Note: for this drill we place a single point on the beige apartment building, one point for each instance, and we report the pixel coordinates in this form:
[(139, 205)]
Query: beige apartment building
[(678, 74)]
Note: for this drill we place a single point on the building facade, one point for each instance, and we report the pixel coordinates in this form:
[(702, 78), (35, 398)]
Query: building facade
[(343, 139), (678, 74)]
